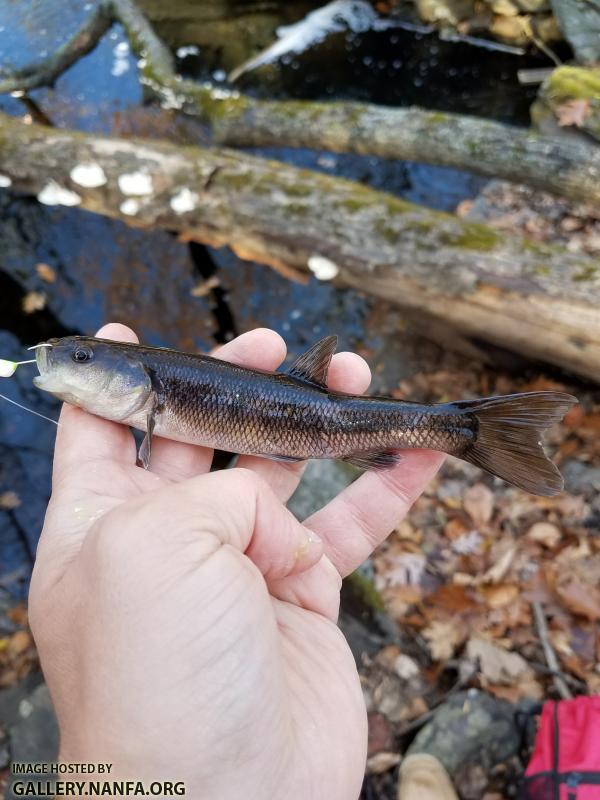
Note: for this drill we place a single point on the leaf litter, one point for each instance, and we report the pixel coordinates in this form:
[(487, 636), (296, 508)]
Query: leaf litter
[(460, 574)]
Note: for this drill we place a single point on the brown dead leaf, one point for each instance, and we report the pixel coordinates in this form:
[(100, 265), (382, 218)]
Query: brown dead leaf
[(546, 533), (33, 301), (18, 615), (497, 665), (503, 554), (380, 733), (451, 597), (443, 637), (46, 272), (500, 595), (463, 208), (579, 597), (20, 642), (399, 599), (478, 502), (573, 112), (382, 762), (9, 500), (455, 528)]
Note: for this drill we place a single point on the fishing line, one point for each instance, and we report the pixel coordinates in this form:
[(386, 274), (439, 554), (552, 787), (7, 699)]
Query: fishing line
[(8, 369), (31, 411)]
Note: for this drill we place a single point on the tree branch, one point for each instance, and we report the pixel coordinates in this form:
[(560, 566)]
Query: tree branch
[(555, 164), (46, 72), (550, 655), (539, 300)]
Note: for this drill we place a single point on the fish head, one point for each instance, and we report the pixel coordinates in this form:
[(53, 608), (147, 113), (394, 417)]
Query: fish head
[(102, 377)]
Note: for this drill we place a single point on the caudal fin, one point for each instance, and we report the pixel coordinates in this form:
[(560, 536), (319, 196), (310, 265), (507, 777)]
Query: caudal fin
[(508, 439)]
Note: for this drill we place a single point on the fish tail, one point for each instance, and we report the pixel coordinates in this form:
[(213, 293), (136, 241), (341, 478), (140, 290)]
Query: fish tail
[(508, 438)]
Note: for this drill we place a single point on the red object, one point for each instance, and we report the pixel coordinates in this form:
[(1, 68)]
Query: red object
[(565, 764)]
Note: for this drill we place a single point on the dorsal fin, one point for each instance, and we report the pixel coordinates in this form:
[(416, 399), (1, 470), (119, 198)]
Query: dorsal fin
[(313, 365)]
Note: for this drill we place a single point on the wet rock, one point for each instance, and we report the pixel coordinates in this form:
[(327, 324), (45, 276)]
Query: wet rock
[(581, 477), (471, 728)]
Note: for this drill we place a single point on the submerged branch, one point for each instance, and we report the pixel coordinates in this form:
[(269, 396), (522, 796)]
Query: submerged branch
[(47, 71), (535, 299), (554, 164)]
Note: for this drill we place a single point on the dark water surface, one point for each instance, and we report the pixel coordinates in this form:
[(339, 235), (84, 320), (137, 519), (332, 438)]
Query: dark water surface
[(107, 271)]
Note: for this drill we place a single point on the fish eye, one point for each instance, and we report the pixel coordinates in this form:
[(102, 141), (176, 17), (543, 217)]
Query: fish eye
[(81, 354)]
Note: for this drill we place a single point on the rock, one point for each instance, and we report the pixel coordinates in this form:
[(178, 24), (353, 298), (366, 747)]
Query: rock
[(30, 723), (34, 735), (580, 23), (322, 481), (471, 728)]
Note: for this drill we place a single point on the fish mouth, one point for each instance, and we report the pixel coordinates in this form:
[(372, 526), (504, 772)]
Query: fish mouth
[(42, 358)]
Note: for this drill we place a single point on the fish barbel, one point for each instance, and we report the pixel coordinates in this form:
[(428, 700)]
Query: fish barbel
[(293, 416)]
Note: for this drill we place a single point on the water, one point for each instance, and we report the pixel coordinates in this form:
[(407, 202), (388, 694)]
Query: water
[(107, 271)]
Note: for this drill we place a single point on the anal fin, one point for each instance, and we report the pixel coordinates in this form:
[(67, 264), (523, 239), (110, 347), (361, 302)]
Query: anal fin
[(378, 459)]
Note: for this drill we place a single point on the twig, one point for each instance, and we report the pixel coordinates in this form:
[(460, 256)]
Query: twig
[(543, 669), (551, 659), (45, 73)]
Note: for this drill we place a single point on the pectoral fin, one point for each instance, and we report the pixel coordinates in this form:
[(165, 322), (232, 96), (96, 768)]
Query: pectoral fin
[(145, 451), (157, 404)]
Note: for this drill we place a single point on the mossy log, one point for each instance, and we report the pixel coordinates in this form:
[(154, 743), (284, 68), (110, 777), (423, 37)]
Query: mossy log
[(564, 166), (537, 300)]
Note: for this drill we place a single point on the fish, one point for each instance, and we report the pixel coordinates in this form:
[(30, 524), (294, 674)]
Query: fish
[(293, 416)]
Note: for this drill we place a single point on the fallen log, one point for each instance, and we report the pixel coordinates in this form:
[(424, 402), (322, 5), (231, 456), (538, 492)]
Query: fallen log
[(561, 165), (538, 300)]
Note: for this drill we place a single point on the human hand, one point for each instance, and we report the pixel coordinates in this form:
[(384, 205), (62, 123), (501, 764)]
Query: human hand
[(186, 622)]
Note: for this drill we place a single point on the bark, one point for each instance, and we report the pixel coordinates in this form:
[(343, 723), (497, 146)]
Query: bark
[(537, 300), (564, 166)]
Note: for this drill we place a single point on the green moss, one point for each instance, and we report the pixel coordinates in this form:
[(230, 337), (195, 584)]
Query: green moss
[(365, 591), (297, 209), (233, 180), (588, 272), (352, 204), (471, 237), (298, 190), (386, 231), (437, 118), (578, 83)]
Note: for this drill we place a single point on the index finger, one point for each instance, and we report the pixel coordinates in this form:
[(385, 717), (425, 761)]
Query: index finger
[(83, 437), (366, 512)]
